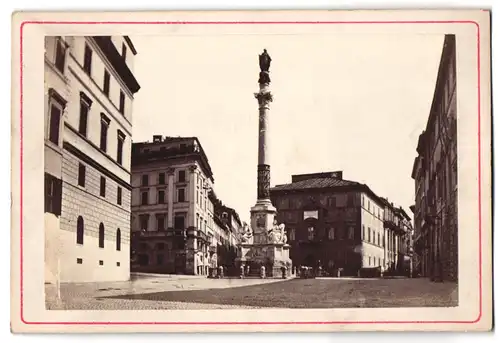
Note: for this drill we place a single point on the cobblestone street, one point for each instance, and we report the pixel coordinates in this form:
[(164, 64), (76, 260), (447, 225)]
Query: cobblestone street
[(187, 292)]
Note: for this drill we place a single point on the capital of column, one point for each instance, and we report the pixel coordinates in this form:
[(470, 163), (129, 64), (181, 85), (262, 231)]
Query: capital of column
[(193, 168), (264, 98), (170, 171)]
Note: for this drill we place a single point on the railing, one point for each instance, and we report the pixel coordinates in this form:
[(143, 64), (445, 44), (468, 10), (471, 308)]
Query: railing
[(146, 233)]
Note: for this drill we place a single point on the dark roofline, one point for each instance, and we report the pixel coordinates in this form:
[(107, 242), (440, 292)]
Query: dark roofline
[(385, 202), (167, 140), (354, 186), (404, 213), (421, 143), (203, 159), (108, 48), (220, 223), (414, 169), (130, 44), (233, 213), (219, 206), (448, 46)]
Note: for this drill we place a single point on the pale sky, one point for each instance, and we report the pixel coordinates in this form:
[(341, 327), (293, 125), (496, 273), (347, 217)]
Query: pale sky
[(351, 102)]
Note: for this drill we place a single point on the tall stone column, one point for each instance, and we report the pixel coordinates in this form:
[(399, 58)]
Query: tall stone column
[(170, 199), (263, 213), (264, 242), (264, 98)]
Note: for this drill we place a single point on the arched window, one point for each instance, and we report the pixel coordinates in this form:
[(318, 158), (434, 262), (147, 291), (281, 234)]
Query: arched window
[(118, 240), (79, 230), (101, 235)]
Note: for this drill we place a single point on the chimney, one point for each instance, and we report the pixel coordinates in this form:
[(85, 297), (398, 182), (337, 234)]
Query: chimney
[(156, 138)]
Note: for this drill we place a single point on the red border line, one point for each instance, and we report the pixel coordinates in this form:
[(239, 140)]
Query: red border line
[(267, 23)]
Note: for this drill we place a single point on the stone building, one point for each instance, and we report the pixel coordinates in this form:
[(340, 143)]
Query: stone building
[(435, 175), (421, 256), (89, 90), (398, 231), (175, 223), (226, 233), (405, 250), (333, 223)]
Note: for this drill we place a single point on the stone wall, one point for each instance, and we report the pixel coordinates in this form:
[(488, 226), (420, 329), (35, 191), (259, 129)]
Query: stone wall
[(94, 209)]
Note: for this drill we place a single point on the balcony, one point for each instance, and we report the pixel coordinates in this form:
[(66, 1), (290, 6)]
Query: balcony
[(149, 234), (203, 236), (390, 224)]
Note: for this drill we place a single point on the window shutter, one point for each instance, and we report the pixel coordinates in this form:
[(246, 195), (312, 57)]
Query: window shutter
[(57, 196), (47, 188)]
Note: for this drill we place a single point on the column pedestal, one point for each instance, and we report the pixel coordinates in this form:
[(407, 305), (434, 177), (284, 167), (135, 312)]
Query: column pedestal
[(262, 251)]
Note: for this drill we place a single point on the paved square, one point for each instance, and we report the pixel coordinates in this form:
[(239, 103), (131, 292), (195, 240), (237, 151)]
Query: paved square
[(178, 292)]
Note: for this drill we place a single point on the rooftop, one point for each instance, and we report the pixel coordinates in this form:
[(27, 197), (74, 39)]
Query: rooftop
[(161, 149), (324, 180), (314, 183)]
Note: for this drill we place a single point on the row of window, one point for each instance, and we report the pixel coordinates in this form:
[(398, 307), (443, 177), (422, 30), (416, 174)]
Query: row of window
[(202, 194), (378, 239), (101, 262), (339, 201), (60, 64), (179, 222), (82, 171), (181, 177), (85, 105), (56, 108), (80, 234), (331, 233), (375, 210), (87, 67), (202, 224), (161, 196), (334, 234), (372, 261)]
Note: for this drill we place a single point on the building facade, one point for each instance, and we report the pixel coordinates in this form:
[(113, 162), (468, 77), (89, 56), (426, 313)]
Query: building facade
[(89, 88), (333, 223), (176, 226), (226, 234), (421, 255), (435, 174)]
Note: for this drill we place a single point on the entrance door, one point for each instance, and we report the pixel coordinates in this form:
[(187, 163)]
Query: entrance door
[(180, 263), (310, 260)]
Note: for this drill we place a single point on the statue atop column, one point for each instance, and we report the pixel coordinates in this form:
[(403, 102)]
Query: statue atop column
[(264, 63)]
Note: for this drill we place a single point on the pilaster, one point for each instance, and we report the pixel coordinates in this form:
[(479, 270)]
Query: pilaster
[(191, 196), (170, 200)]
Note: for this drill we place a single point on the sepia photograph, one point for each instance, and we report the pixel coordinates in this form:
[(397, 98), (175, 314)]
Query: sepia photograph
[(258, 168)]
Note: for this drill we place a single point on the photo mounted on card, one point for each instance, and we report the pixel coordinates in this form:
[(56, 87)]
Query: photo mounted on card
[(251, 171)]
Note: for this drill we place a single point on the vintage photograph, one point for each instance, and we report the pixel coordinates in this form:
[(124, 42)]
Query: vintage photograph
[(338, 165), (134, 218)]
